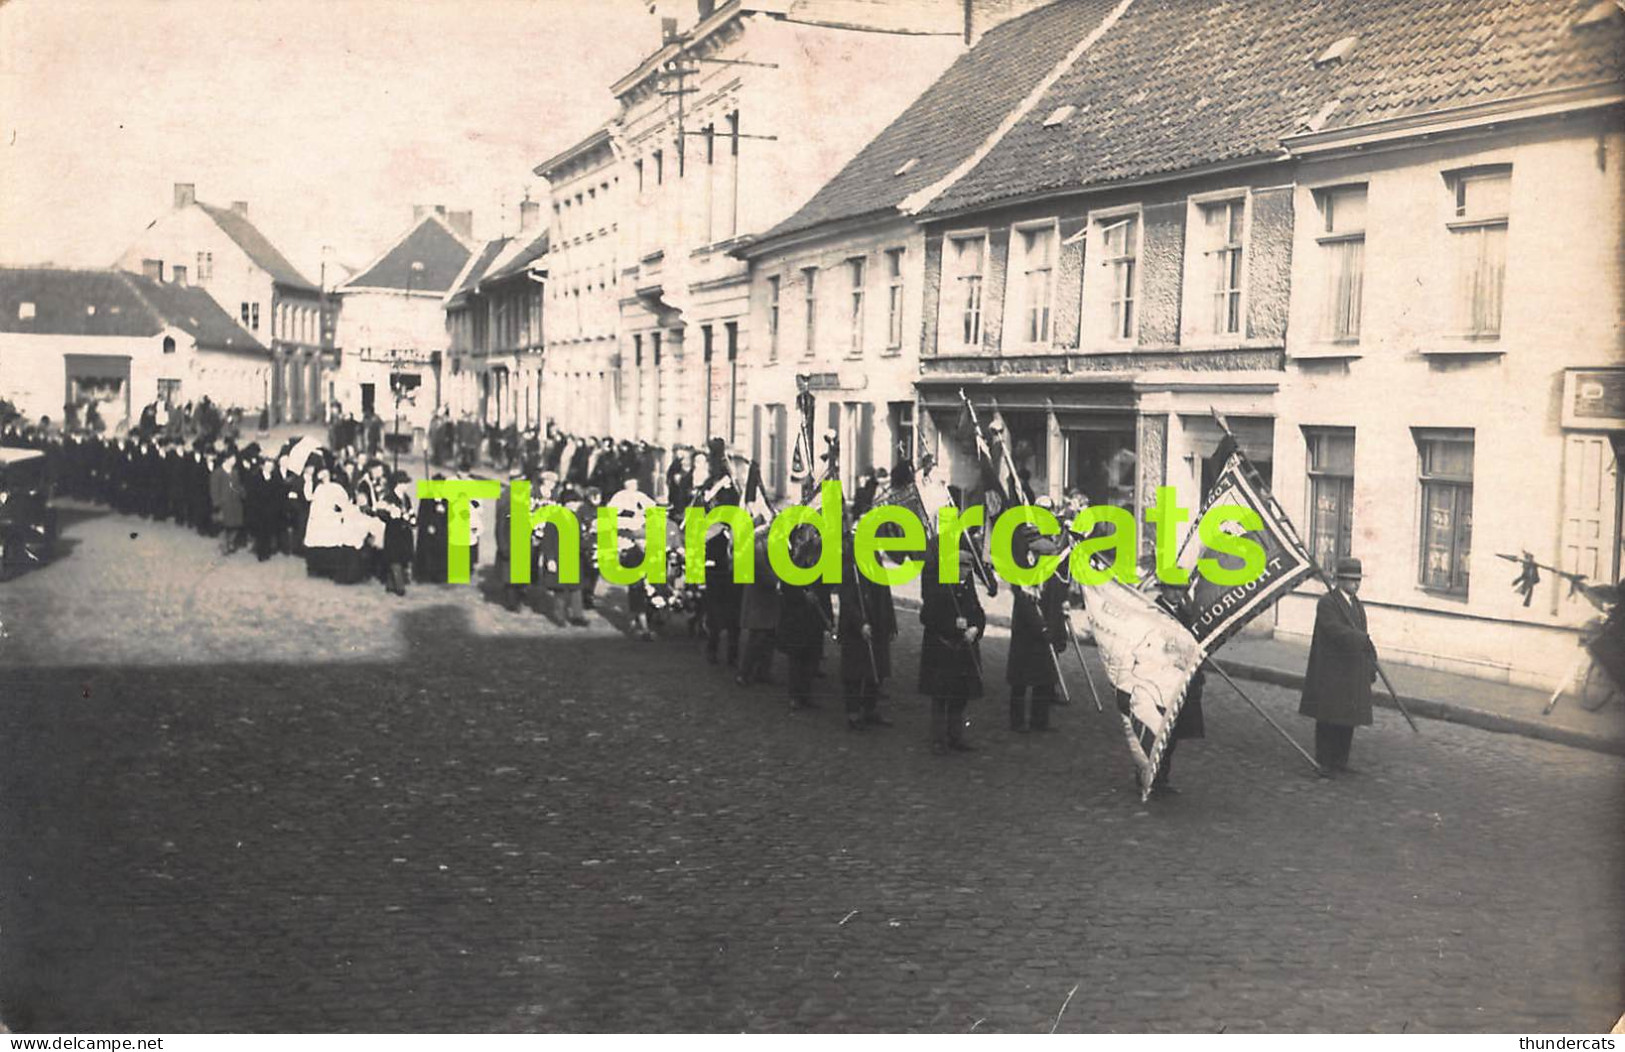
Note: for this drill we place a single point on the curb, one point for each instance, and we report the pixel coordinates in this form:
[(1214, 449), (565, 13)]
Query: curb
[(1423, 708)]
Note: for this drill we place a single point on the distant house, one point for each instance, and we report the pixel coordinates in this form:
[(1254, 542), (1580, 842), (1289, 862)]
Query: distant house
[(221, 251), (392, 325), (120, 341), (494, 316)]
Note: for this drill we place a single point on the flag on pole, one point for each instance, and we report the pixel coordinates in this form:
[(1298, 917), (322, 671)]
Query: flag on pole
[(756, 502), (1150, 658), (1219, 611), (801, 457)]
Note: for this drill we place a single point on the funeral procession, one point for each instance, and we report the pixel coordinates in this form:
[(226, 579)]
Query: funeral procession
[(850, 516)]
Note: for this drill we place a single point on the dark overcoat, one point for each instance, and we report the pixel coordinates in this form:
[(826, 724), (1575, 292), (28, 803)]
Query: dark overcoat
[(804, 617), (759, 600), (723, 594), (948, 664), (226, 494), (865, 602), (1342, 664), (1036, 631)]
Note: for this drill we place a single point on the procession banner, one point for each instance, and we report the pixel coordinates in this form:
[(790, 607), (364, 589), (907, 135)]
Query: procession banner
[(1218, 611), (1150, 658)]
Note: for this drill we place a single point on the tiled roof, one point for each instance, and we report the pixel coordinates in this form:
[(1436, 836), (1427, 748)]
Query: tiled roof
[(192, 309), (523, 256), (954, 116), (259, 248), (114, 303), (430, 242), (1183, 84), (476, 269)]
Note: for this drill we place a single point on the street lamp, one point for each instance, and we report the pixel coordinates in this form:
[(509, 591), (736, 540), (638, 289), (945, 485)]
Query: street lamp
[(398, 388)]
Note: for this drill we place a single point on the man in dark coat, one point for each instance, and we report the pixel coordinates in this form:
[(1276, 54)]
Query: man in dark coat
[(1036, 633), (430, 549), (805, 618), (867, 626), (723, 597), (758, 616), (1342, 667), (226, 495), (950, 656)]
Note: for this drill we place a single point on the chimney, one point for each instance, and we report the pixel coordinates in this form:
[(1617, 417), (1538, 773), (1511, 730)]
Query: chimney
[(668, 30), (462, 222), (706, 7), (241, 208), (185, 194), (530, 216)]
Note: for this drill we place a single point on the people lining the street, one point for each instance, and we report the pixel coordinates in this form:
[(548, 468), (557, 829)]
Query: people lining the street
[(350, 518)]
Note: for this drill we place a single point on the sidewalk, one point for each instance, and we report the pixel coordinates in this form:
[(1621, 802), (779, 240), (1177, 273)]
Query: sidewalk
[(1427, 693)]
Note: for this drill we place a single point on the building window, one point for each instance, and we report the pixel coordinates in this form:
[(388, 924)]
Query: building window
[(169, 347), (1222, 228), (773, 318), (205, 267), (1479, 228), (967, 255), (894, 299), (660, 167), (1331, 493), (857, 270), (731, 213), (1446, 473), (1120, 241), (1037, 247), (809, 280), (775, 442), (244, 314), (1342, 249), (710, 132), (254, 316)]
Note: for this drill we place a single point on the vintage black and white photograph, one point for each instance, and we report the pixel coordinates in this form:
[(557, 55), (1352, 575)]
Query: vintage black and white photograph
[(812, 516)]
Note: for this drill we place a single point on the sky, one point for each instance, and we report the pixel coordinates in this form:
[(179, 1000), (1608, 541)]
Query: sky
[(332, 118)]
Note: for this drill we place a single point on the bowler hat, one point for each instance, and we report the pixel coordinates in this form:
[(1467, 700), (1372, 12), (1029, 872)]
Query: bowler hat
[(1349, 567)]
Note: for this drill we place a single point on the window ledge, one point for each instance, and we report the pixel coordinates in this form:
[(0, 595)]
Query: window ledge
[(1341, 349), (1471, 346), (1443, 596)]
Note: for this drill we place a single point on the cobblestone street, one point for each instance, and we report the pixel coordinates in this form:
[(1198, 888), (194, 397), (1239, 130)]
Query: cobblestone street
[(234, 798)]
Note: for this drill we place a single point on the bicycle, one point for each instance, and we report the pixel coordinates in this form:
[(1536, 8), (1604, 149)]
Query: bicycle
[(1600, 672)]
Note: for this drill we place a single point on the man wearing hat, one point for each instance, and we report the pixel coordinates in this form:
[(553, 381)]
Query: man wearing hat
[(1342, 667), (950, 655), (1036, 632)]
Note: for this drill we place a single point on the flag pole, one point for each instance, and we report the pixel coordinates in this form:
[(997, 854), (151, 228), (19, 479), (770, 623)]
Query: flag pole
[(863, 612), (1210, 663), (1077, 648), (1325, 578), (1054, 658)]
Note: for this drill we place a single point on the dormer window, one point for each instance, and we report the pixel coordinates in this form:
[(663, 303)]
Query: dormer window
[(1337, 52)]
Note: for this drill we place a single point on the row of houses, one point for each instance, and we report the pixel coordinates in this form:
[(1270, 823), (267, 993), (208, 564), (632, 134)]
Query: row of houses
[(1382, 238)]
